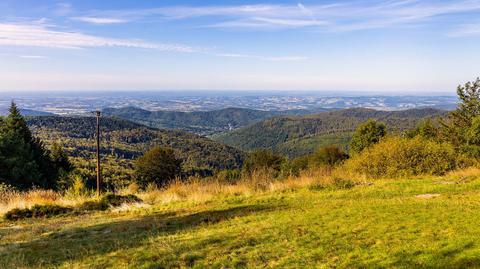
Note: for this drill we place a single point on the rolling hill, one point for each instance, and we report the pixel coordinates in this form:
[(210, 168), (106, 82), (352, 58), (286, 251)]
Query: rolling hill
[(199, 122), (298, 135), (123, 141)]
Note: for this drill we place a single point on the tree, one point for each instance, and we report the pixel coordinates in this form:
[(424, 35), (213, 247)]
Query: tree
[(367, 134), (60, 158), (262, 160), (329, 155), (159, 165), (455, 126), (24, 160), (425, 129)]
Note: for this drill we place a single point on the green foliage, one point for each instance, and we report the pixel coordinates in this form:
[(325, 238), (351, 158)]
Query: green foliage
[(124, 141), (158, 165), (37, 211), (230, 176), (60, 158), (427, 129), (299, 135), (455, 128), (200, 122), (367, 134), (24, 161), (402, 157), (263, 160), (328, 156)]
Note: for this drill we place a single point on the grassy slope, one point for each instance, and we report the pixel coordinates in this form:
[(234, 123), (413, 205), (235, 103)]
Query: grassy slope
[(379, 225)]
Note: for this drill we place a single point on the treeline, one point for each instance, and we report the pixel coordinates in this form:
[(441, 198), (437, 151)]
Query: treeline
[(296, 136), (199, 122)]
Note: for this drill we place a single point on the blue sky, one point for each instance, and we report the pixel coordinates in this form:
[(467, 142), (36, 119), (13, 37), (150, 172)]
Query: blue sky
[(381, 45)]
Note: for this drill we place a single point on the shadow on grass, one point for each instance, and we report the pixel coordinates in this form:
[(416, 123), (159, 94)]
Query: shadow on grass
[(79, 243)]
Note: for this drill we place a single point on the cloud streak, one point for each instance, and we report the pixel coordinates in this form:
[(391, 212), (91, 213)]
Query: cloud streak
[(347, 16), (39, 35), (97, 20)]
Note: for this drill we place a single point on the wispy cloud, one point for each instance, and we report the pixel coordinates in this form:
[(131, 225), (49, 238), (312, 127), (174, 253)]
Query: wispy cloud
[(265, 58), (39, 35), (346, 16), (466, 30), (96, 20), (34, 57)]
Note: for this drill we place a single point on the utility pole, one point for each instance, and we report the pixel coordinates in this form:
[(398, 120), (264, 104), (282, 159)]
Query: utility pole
[(99, 173)]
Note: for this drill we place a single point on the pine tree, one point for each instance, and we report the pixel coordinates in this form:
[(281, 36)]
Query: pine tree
[(23, 158)]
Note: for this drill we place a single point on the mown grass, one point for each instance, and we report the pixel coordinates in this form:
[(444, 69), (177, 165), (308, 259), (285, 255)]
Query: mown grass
[(315, 224)]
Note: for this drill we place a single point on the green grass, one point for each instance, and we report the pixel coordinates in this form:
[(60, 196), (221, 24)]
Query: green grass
[(383, 225)]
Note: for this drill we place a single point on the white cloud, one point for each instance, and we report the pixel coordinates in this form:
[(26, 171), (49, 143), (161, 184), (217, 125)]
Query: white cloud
[(96, 20), (346, 16), (39, 35), (35, 57), (265, 58), (466, 30)]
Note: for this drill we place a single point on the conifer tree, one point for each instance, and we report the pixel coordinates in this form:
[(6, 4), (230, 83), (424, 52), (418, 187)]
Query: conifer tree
[(24, 161)]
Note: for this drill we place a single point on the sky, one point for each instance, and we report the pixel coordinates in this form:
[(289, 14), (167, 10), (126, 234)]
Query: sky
[(380, 45)]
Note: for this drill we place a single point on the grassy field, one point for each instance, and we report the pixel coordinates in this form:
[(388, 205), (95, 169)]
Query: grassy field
[(410, 223)]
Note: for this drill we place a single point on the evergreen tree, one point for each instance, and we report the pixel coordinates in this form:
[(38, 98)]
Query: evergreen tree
[(24, 161), (60, 158)]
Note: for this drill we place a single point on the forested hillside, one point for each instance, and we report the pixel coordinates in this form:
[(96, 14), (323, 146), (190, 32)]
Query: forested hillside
[(123, 141), (298, 135), (199, 122)]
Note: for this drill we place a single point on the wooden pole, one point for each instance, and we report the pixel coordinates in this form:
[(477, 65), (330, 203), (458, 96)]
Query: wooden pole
[(99, 174)]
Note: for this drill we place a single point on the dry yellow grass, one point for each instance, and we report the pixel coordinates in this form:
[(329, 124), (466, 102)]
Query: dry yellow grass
[(194, 189)]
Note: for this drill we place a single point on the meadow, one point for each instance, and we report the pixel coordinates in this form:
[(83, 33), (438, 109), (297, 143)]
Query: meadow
[(317, 220)]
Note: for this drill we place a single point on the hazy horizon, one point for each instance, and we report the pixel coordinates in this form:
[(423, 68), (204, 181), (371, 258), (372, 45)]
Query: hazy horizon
[(377, 46)]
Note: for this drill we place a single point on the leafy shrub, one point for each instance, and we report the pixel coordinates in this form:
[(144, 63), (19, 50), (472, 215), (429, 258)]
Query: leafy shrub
[(328, 156), (400, 157), (37, 211), (367, 134), (263, 160), (159, 165), (426, 129)]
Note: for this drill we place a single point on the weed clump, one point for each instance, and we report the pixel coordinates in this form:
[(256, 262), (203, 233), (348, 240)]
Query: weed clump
[(37, 211), (42, 211), (110, 200)]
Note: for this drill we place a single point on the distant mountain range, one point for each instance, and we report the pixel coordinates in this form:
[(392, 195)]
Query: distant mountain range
[(27, 112), (199, 122), (298, 135)]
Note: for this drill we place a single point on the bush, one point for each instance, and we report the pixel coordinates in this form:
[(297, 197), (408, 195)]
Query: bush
[(37, 211), (328, 156), (159, 166), (229, 176), (367, 134), (263, 160), (401, 157)]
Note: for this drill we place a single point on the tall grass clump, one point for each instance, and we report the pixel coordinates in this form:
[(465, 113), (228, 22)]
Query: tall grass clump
[(395, 157)]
